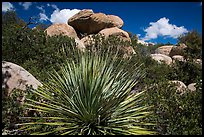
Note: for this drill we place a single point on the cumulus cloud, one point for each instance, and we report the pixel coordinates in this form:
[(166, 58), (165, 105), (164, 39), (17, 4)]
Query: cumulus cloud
[(138, 35), (53, 6), (58, 16), (25, 5), (43, 17), (7, 6), (41, 8), (62, 16), (163, 28)]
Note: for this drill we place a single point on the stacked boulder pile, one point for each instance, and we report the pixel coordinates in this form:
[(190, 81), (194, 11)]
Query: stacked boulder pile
[(83, 25), (168, 54)]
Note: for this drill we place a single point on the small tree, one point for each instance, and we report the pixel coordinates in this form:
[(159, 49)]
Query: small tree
[(193, 41)]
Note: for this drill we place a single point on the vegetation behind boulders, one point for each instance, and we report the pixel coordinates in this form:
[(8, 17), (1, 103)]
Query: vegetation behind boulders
[(173, 113)]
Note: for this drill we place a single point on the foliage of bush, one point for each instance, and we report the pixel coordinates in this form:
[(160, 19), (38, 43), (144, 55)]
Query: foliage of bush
[(91, 96), (32, 48), (188, 72), (11, 110), (173, 114), (193, 40)]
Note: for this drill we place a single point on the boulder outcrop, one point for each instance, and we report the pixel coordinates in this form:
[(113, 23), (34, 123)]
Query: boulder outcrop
[(171, 50), (66, 30), (14, 76), (177, 50), (115, 21), (80, 45), (178, 57), (165, 50), (180, 86), (192, 87), (88, 40), (86, 21), (114, 31), (60, 28), (198, 61), (162, 58)]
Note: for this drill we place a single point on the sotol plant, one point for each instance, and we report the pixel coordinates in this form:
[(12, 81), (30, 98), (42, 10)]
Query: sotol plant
[(91, 95)]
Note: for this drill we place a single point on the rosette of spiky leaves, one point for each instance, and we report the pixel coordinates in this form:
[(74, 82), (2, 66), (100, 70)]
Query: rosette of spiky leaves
[(89, 96)]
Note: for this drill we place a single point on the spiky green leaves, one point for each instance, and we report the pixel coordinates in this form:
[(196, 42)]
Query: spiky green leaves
[(89, 96)]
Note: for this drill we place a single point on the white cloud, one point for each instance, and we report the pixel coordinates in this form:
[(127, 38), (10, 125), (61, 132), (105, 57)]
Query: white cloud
[(43, 17), (41, 8), (62, 16), (142, 42), (138, 35), (7, 6), (25, 5), (163, 28), (53, 6)]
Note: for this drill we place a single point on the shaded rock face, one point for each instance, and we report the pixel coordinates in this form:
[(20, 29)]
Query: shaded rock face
[(14, 76), (178, 50), (86, 21), (180, 86), (162, 58), (114, 31), (192, 87), (60, 28), (80, 20)]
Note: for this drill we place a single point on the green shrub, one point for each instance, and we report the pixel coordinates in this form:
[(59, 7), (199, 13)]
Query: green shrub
[(11, 109), (188, 72), (89, 97), (33, 48), (193, 41), (175, 114), (41, 55)]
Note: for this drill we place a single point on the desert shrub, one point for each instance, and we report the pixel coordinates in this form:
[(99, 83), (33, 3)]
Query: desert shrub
[(40, 55), (187, 72), (33, 48), (193, 41), (91, 96), (11, 110), (175, 114)]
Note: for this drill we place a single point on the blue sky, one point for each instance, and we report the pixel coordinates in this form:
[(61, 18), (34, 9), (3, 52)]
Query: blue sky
[(157, 22)]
